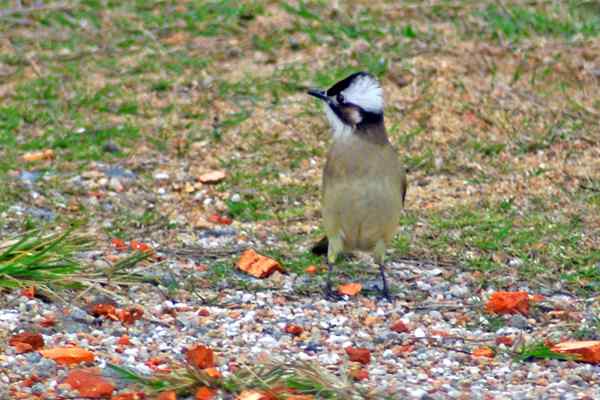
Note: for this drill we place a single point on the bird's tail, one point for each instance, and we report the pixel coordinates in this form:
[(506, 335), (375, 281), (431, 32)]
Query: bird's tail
[(320, 248)]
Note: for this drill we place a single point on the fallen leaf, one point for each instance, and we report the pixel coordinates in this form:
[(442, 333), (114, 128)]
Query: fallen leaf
[(68, 355), (400, 327), (89, 384), (293, 329), (360, 355), (212, 177), (350, 289), (168, 395), (47, 154), (508, 303), (311, 269), (483, 352), (28, 292), (26, 342), (257, 265), (587, 350), (359, 374), (205, 393), (200, 357)]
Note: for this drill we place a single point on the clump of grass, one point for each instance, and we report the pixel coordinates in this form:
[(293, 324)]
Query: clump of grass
[(540, 350), (37, 258), (306, 378), (49, 261)]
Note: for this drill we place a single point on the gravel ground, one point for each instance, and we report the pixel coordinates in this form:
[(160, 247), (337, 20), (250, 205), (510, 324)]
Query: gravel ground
[(440, 306)]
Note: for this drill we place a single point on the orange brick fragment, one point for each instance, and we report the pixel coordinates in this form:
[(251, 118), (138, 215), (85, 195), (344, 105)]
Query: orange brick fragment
[(358, 354), (28, 292), (311, 270), (586, 350), (129, 396), (359, 374), (89, 385), (400, 327), (68, 355), (205, 393), (257, 265), (294, 329), (26, 342), (168, 395), (350, 289), (212, 177), (212, 372), (483, 352), (508, 303), (200, 357), (47, 154)]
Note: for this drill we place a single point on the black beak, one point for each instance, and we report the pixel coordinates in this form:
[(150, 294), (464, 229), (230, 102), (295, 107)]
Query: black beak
[(319, 94)]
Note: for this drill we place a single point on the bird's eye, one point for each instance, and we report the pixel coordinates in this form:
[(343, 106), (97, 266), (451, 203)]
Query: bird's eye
[(340, 98)]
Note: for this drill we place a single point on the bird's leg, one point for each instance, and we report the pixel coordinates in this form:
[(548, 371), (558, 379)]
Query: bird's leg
[(379, 256), (385, 291), (328, 290), (333, 249)]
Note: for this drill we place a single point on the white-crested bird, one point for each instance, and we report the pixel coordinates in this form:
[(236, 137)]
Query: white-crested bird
[(364, 184)]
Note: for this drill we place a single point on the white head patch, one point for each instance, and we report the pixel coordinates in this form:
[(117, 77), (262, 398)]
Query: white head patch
[(365, 92)]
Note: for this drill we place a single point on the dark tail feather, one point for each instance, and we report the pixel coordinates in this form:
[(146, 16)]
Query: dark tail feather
[(320, 248)]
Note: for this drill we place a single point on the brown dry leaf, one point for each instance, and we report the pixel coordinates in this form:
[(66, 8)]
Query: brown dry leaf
[(205, 393), (350, 289), (26, 342), (88, 384), (212, 177), (47, 154), (68, 355), (508, 303), (168, 395), (483, 352), (587, 350), (200, 357), (358, 354), (257, 265)]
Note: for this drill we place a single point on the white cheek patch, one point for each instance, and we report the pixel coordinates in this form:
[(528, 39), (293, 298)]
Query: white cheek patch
[(366, 93), (339, 129)]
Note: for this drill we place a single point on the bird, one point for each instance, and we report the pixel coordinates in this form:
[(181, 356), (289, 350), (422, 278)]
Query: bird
[(364, 183)]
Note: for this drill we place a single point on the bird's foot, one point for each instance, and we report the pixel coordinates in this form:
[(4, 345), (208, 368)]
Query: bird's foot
[(385, 294), (330, 294)]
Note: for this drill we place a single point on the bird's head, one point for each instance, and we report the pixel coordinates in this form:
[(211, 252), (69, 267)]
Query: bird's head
[(353, 102)]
